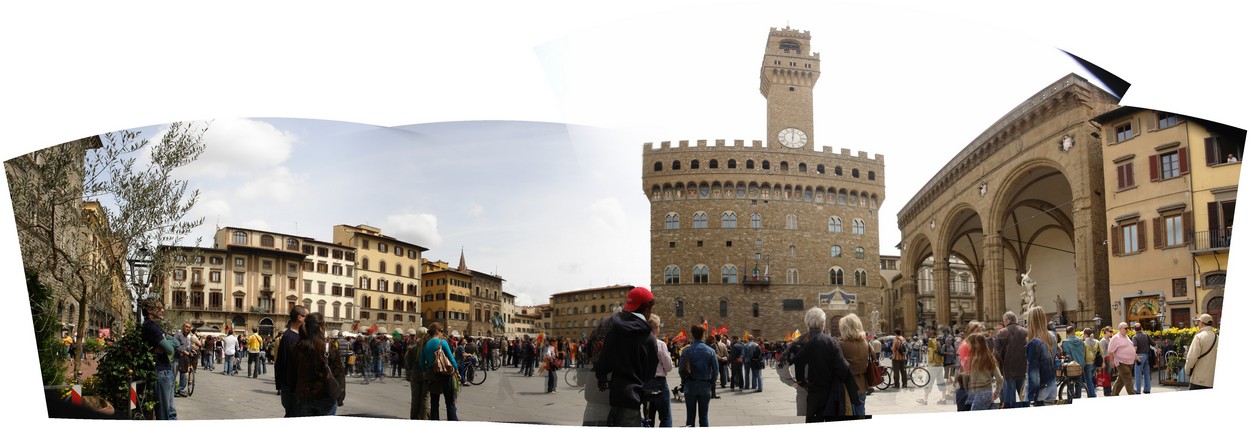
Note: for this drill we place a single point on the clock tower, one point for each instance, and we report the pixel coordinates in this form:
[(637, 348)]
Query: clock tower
[(787, 76)]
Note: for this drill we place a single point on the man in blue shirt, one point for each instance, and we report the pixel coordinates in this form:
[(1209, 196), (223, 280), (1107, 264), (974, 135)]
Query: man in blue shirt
[(163, 348), (698, 367)]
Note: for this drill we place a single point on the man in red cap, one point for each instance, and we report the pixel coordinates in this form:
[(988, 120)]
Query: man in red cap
[(630, 356)]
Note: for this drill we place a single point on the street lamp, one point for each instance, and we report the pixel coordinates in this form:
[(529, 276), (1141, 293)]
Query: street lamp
[(140, 280), (1097, 322)]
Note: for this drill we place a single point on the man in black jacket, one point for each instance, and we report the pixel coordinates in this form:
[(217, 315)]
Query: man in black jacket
[(630, 356), (821, 368), (283, 366)]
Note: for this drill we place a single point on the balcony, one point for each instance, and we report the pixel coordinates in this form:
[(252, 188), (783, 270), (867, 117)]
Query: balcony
[(1213, 241), (753, 282)]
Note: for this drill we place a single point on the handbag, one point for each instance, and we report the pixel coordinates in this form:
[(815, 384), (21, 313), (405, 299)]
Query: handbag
[(442, 365), (1102, 379), (332, 383), (876, 374)]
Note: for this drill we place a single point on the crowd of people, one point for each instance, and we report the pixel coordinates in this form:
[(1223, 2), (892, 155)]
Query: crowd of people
[(974, 368)]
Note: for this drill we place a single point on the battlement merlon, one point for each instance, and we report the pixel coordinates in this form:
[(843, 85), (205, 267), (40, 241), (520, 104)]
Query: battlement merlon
[(717, 144)]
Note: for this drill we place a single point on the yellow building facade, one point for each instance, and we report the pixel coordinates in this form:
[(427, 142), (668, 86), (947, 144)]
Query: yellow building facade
[(445, 296), (388, 278), (575, 314)]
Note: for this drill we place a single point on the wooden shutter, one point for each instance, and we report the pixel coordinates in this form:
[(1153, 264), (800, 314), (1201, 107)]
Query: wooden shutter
[(1183, 154), (1211, 152), (1128, 175), (1141, 235), (1188, 221), (1117, 241), (1119, 176), (1158, 232), (1154, 168)]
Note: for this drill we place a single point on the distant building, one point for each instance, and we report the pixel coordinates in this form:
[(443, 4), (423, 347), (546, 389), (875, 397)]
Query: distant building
[(329, 284), (575, 314), (445, 296), (388, 282)]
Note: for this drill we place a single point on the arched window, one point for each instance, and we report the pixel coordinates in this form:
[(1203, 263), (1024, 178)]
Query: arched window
[(728, 274), (381, 266), (399, 269), (411, 272), (872, 175), (238, 237), (861, 278), (859, 253), (802, 167), (729, 220), (700, 274), (857, 227), (382, 285), (659, 166), (680, 309), (854, 198), (677, 165), (732, 164), (792, 222), (700, 220), (711, 164), (366, 301), (672, 275), (764, 164), (820, 169), (835, 251), (364, 283), (835, 276), (694, 164), (837, 170), (855, 173), (792, 276), (266, 240), (750, 164), (724, 308), (807, 194), (842, 197), (756, 221), (672, 221), (755, 310), (835, 224), (785, 166)]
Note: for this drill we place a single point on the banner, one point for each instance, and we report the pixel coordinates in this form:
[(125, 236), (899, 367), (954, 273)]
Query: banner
[(681, 336)]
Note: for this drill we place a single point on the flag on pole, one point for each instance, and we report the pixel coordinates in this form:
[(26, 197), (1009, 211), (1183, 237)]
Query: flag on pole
[(373, 329), (681, 336), (704, 324), (746, 336), (724, 329), (540, 338), (765, 271)]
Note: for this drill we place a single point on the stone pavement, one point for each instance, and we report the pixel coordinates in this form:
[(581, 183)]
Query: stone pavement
[(506, 396)]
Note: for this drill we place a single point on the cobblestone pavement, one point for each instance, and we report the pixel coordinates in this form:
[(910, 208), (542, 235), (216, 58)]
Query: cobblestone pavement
[(506, 396)]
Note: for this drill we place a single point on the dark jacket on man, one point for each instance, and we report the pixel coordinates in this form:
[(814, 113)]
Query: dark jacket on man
[(1011, 341), (285, 364), (630, 356), (821, 367)]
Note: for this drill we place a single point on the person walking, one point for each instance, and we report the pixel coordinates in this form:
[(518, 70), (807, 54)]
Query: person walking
[(1010, 342), (822, 368), (1040, 363), (229, 346), (439, 384), (628, 358), (1144, 346), (1091, 354), (898, 359), (253, 353), (962, 402), (980, 377), (163, 347), (858, 353), (1123, 355), (550, 358), (699, 365), (1200, 359), (527, 357), (317, 375), (284, 365), (661, 404)]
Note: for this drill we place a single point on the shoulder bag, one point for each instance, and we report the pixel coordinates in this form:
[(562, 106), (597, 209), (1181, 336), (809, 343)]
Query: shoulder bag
[(331, 382), (876, 374), (1204, 354), (442, 365)]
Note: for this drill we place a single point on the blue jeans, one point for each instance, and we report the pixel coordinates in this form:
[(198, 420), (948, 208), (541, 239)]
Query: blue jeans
[(1011, 387), (165, 395), (318, 407), (982, 399), (698, 395), (290, 407), (229, 364), (1090, 388), (551, 380), (859, 410), (724, 374), (1141, 373), (756, 381), (661, 404)]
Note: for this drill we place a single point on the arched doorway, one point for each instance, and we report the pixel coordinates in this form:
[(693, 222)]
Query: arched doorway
[(239, 322), (1037, 236), (1215, 307), (266, 327)]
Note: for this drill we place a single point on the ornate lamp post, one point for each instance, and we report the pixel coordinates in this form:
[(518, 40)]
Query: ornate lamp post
[(140, 281), (1097, 323)]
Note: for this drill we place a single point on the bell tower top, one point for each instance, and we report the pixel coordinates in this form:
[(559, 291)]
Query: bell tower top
[(787, 76)]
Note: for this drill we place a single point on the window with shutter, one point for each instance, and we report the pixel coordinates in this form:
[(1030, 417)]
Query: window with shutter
[(1154, 168), (1141, 236), (1116, 245)]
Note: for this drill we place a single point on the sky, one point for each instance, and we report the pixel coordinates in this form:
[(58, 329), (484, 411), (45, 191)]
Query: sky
[(391, 81)]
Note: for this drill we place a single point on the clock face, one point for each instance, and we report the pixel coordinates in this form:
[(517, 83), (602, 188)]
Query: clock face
[(792, 138)]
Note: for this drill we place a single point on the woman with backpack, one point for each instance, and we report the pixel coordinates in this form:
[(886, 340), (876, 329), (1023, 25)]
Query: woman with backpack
[(1039, 356), (439, 370)]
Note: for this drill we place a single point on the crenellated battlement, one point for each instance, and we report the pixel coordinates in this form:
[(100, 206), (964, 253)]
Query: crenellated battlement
[(717, 145)]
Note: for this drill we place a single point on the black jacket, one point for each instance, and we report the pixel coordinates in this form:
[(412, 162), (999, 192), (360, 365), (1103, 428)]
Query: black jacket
[(630, 356), (820, 365)]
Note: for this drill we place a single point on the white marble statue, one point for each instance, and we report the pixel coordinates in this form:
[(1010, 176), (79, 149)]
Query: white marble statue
[(1027, 298), (875, 322)]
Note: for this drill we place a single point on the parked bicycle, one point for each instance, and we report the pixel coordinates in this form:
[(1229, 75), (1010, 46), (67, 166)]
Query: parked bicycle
[(917, 375), (472, 375)]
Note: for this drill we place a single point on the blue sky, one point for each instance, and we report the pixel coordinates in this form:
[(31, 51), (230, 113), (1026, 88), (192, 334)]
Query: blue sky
[(915, 80)]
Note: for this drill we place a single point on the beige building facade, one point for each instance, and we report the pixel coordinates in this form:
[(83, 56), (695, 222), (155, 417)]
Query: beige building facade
[(742, 230), (575, 314), (388, 278), (329, 283)]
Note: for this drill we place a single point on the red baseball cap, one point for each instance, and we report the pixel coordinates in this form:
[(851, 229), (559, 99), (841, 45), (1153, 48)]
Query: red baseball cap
[(636, 298)]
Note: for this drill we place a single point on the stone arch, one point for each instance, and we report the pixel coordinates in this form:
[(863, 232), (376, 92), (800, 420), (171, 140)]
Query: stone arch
[(1034, 212)]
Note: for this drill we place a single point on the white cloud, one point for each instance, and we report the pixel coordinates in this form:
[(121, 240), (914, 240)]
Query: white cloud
[(606, 215), (416, 228), (260, 224), (476, 210), (234, 147), (278, 185)]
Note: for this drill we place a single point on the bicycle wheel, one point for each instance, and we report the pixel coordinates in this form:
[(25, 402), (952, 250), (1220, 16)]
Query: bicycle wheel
[(495, 362), (1067, 390), (885, 379), (570, 377), (920, 377), (475, 377), (190, 382)]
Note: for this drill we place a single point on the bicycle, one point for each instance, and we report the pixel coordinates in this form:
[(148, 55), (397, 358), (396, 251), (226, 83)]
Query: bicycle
[(570, 377), (649, 410), (190, 389), (473, 376), (918, 375), (1069, 385), (496, 361)]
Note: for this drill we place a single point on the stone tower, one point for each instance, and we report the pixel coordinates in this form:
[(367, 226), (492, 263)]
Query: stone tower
[(750, 234)]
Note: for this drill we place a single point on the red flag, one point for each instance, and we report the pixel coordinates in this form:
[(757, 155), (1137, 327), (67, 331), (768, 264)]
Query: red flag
[(681, 336), (723, 330), (540, 338), (373, 329), (356, 327)]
